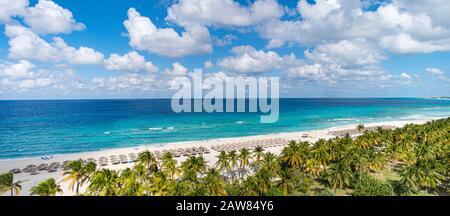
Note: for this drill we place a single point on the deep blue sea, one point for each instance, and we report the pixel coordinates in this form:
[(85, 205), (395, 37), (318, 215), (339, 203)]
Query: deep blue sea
[(35, 128)]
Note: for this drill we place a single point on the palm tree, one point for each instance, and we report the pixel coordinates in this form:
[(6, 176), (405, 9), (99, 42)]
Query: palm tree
[(193, 167), (339, 175), (181, 188), (360, 127), (214, 183), (223, 164), (320, 152), (46, 188), (78, 174), (270, 164), (422, 174), (169, 165), (313, 167), (147, 159), (233, 157), (7, 184), (285, 181), (90, 168), (160, 186), (104, 183), (130, 183), (263, 179), (295, 154), (258, 152), (244, 159), (249, 187)]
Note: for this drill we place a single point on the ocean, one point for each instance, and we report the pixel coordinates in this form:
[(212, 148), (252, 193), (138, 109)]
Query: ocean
[(36, 128)]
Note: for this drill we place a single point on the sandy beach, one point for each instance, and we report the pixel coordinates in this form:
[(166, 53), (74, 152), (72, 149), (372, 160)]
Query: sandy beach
[(313, 135)]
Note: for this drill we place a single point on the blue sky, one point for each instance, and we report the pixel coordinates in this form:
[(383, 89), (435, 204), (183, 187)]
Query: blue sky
[(134, 49)]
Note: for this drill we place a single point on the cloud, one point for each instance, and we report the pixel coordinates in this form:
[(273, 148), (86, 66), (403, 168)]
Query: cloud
[(222, 12), (208, 64), (437, 10), (47, 17), (35, 83), (346, 52), (129, 82), (275, 43), (435, 71), (82, 55), (27, 45), (144, 35), (225, 41), (309, 72), (388, 25), (130, 62), (20, 70), (404, 43), (9, 9), (340, 62), (176, 70), (438, 73), (406, 76), (249, 60), (24, 76)]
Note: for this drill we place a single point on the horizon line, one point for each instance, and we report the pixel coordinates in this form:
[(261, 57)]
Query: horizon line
[(80, 99)]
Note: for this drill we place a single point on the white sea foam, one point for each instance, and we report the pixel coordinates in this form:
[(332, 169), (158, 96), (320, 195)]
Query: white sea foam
[(343, 119), (155, 129), (240, 122), (107, 132), (412, 117)]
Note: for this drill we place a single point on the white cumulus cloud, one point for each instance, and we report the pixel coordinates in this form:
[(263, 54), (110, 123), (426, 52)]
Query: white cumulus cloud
[(27, 45), (9, 9), (435, 71), (223, 12), (144, 35), (131, 81), (176, 70), (438, 73), (20, 70), (130, 62), (396, 26), (82, 55), (47, 17), (249, 60), (208, 64), (310, 72)]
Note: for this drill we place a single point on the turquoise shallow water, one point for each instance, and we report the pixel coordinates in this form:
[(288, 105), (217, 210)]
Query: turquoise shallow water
[(35, 128)]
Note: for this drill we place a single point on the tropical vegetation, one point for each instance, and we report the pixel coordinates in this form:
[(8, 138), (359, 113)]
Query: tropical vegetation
[(412, 160)]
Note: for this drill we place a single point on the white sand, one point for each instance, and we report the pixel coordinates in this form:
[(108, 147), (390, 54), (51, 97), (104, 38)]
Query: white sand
[(6, 165)]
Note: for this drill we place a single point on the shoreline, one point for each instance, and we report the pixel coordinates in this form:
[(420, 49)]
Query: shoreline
[(311, 136), (164, 144)]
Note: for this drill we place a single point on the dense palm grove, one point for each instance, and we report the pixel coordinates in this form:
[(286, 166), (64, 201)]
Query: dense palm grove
[(405, 161)]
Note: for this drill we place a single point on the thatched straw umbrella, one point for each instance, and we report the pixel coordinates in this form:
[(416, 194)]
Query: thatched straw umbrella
[(43, 166), (51, 170), (15, 171), (29, 168), (55, 165), (123, 159), (103, 163), (133, 157)]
